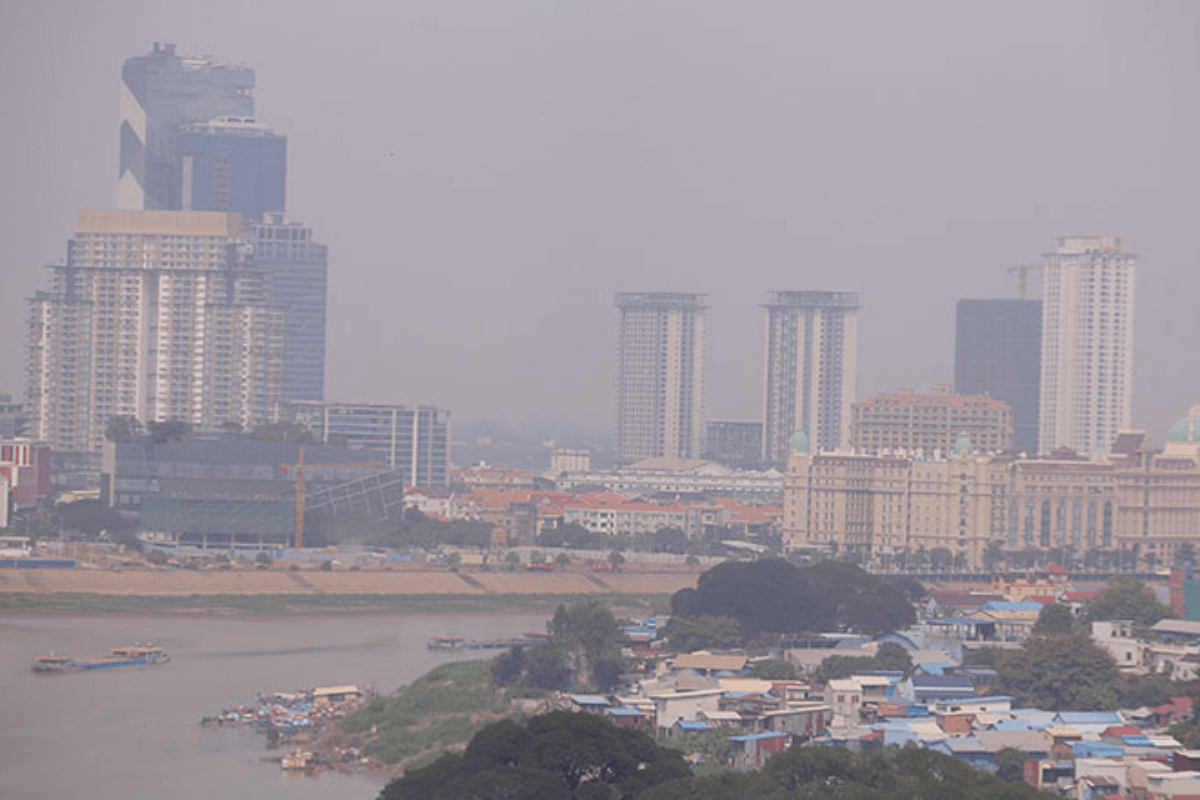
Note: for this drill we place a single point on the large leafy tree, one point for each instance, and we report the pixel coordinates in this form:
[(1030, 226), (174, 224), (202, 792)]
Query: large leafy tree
[(1127, 598), (1059, 672), (556, 755), (773, 596)]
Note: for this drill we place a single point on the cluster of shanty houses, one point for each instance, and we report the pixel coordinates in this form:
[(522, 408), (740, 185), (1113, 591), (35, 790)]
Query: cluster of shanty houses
[(938, 704), (1081, 754)]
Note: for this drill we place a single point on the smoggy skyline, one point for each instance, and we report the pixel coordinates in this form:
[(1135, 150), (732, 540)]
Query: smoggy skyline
[(488, 175)]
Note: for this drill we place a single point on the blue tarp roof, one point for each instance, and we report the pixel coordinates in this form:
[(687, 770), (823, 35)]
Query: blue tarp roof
[(1005, 605), (933, 667), (623, 711), (1089, 718), (1096, 750), (756, 736)]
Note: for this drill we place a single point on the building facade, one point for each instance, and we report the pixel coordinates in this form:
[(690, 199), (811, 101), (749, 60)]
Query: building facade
[(415, 440), (660, 375), (154, 315), (910, 422), (738, 444), (997, 352), (1136, 507), (1086, 392), (233, 164), (811, 365), (160, 93), (296, 269)]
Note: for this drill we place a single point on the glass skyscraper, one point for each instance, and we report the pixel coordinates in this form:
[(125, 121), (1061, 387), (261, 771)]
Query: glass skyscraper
[(295, 267), (160, 93), (997, 352), (233, 164)]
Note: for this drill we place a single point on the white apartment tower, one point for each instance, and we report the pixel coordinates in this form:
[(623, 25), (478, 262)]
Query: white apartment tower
[(1087, 344), (154, 315), (811, 363), (660, 375)]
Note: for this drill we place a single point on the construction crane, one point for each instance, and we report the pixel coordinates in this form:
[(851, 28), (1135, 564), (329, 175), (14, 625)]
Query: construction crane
[(1022, 273), (301, 487)]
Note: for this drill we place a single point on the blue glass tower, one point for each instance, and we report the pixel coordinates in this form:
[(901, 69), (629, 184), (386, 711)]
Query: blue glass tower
[(233, 164)]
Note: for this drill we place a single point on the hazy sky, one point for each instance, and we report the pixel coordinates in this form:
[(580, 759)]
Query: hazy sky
[(488, 173)]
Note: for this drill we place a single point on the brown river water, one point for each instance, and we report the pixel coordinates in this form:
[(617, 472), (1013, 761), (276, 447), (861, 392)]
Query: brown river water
[(135, 733)]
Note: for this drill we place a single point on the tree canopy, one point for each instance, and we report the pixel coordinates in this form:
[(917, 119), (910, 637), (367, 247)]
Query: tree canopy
[(556, 755), (1127, 598), (1056, 673), (773, 596)]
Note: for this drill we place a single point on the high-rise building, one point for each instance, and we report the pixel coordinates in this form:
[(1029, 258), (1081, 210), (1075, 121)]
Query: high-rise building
[(233, 164), (160, 93), (1086, 392), (296, 268), (154, 315), (810, 370), (997, 352), (939, 422), (660, 375), (414, 440)]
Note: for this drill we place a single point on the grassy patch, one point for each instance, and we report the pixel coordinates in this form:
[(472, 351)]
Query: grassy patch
[(441, 710)]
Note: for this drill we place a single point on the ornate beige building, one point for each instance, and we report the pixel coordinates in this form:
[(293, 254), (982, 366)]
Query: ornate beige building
[(1135, 505)]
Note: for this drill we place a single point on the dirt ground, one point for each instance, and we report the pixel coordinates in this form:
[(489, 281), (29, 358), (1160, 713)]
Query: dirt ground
[(401, 581)]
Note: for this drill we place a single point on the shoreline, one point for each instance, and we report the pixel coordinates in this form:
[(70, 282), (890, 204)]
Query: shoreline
[(233, 592)]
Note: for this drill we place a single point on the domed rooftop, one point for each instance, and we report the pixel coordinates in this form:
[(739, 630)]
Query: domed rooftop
[(799, 441), (1187, 429)]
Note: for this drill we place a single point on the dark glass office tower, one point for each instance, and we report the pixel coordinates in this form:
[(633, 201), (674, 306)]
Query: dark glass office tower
[(997, 352), (296, 267), (233, 164)]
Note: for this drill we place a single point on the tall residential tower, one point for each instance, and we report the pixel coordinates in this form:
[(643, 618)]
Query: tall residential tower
[(810, 370), (1087, 344), (154, 315), (660, 375)]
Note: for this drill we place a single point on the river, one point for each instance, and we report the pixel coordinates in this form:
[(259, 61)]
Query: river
[(135, 732)]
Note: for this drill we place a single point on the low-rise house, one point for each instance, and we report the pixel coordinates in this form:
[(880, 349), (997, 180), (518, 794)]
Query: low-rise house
[(752, 750), (1088, 723), (672, 707), (931, 689), (844, 696), (628, 717), (1116, 637), (801, 722), (594, 703)]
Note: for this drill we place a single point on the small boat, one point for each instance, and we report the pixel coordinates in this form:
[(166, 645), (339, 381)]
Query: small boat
[(126, 656)]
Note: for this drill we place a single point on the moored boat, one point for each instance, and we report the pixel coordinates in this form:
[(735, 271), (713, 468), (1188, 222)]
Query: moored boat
[(125, 656)]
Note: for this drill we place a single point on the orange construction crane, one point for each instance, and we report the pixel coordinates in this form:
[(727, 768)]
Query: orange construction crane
[(301, 487)]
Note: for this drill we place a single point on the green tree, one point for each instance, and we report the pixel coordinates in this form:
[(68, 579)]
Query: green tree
[(893, 657), (1127, 598), (1058, 673), (670, 540), (555, 755), (1053, 620), (587, 632), (773, 669), (123, 430), (704, 632), (1010, 764)]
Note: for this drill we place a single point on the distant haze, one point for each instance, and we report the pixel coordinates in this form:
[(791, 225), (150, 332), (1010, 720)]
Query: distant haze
[(487, 174)]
